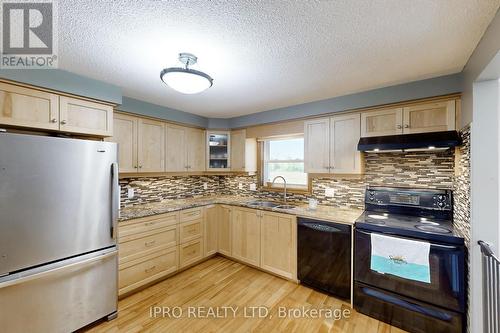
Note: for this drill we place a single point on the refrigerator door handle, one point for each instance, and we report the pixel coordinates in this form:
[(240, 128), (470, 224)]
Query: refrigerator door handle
[(115, 199), (58, 269)]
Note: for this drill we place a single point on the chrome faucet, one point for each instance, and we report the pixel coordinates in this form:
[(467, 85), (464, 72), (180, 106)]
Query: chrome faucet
[(284, 187)]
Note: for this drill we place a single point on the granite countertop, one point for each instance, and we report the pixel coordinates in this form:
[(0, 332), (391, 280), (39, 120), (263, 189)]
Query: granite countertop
[(328, 213)]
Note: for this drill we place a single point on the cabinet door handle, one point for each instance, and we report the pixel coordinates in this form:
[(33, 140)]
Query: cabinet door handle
[(63, 122), (150, 243), (140, 166), (407, 126), (399, 127), (150, 269), (53, 120)]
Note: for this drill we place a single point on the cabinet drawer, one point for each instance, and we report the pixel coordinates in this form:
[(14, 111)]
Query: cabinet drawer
[(133, 229), (139, 272), (190, 252), (161, 239), (191, 230), (191, 214)]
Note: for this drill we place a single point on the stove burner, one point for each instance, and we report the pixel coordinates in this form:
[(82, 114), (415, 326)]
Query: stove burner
[(378, 217), (429, 222), (432, 228)]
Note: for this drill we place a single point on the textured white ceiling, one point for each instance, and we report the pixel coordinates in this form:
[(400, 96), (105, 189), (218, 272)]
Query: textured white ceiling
[(268, 54)]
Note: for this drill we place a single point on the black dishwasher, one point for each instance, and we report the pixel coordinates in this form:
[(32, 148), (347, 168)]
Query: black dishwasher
[(324, 256)]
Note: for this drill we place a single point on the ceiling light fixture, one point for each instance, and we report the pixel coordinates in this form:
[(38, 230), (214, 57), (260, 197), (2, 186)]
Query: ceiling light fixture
[(186, 80)]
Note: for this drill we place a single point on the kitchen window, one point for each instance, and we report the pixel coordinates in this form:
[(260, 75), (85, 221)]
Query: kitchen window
[(284, 157)]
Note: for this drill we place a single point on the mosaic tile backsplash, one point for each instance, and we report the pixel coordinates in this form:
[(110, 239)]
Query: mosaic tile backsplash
[(418, 169)]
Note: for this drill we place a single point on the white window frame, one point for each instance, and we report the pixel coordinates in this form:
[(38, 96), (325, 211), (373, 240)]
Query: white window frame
[(266, 161)]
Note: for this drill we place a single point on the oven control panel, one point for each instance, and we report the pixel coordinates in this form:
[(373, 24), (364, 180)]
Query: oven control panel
[(404, 197)]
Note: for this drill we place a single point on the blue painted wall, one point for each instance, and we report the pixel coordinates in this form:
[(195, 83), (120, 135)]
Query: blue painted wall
[(153, 110), (68, 82), (414, 90), (65, 81)]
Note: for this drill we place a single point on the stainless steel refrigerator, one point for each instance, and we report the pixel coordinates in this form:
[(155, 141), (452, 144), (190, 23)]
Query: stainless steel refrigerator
[(59, 202)]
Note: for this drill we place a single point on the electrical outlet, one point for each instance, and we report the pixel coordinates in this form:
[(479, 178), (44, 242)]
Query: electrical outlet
[(240, 186), (253, 187), (130, 193), (205, 186), (329, 192)]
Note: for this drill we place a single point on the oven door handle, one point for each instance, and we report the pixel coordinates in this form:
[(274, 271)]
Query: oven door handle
[(441, 315), (447, 247)]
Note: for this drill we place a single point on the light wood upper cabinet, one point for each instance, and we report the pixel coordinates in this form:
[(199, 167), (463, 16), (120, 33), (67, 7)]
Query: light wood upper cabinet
[(316, 139), (429, 117), (243, 152), (238, 150), (210, 233), (279, 244), (224, 230), (37, 109), (151, 146), (416, 118), (331, 145), (382, 122), (185, 149), (176, 148), (218, 151), (125, 134), (344, 137), (245, 226), (85, 117), (26, 107), (195, 149)]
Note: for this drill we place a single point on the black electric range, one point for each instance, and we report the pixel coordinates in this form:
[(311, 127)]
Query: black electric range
[(428, 228), (418, 215)]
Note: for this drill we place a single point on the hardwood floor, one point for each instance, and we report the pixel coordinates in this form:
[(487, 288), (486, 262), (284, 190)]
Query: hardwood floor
[(220, 282)]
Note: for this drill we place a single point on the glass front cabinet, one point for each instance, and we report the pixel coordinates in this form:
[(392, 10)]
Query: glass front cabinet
[(218, 152)]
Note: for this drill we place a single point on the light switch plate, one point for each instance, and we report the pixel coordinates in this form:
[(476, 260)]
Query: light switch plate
[(329, 192), (240, 186), (205, 186), (130, 193), (253, 187)]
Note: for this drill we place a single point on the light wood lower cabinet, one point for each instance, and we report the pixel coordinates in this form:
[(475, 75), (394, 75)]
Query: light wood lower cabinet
[(278, 244), (224, 230), (191, 252), (147, 243), (148, 250), (153, 247), (130, 229), (245, 235), (210, 231), (141, 271), (190, 230)]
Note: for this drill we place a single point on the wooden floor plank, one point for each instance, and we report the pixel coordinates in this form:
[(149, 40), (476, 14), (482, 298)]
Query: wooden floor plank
[(220, 282)]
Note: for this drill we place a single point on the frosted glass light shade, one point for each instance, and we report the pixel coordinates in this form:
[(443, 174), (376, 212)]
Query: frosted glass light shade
[(186, 81)]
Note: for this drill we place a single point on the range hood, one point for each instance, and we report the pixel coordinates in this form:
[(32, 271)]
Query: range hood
[(410, 142)]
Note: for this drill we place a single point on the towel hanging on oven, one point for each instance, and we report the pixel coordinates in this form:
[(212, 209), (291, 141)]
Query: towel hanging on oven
[(401, 257)]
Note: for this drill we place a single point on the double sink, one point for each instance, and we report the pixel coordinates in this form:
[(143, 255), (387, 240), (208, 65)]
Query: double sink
[(270, 204)]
